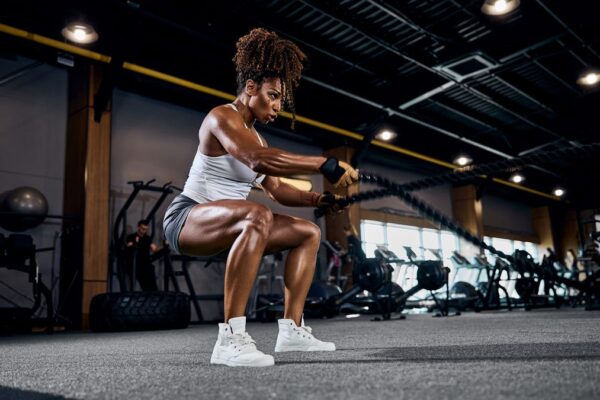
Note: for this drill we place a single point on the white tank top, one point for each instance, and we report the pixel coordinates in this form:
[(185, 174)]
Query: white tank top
[(220, 178)]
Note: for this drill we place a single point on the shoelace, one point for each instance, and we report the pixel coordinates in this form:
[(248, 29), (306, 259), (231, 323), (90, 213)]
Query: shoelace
[(304, 329), (242, 340)]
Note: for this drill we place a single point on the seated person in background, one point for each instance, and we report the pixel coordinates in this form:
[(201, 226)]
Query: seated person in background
[(138, 254)]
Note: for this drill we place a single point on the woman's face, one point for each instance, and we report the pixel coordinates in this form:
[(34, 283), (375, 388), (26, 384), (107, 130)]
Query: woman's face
[(265, 100)]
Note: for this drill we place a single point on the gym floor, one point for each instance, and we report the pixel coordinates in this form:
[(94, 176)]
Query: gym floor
[(541, 354)]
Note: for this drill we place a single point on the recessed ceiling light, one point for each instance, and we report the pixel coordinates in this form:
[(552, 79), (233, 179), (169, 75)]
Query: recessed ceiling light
[(559, 192), (80, 32), (589, 78), (462, 160), (517, 177), (499, 7), (386, 135)]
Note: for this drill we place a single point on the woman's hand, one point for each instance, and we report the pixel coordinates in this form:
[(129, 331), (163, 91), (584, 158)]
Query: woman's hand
[(339, 173), (332, 203)]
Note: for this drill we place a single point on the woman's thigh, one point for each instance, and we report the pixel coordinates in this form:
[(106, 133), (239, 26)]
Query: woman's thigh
[(211, 228)]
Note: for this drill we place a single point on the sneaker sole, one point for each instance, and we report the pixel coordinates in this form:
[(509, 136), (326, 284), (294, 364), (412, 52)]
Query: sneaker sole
[(266, 362), (282, 349)]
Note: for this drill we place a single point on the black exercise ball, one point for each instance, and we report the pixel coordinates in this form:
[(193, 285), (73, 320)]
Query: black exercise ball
[(22, 208)]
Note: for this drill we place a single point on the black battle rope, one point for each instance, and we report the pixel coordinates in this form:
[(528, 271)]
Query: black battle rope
[(428, 211), (391, 188), (401, 191), (490, 169)]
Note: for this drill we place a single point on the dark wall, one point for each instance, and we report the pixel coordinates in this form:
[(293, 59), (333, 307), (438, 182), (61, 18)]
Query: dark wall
[(506, 214), (33, 110)]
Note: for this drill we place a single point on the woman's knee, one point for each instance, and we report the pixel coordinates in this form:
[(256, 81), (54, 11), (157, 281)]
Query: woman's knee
[(311, 232), (259, 218)]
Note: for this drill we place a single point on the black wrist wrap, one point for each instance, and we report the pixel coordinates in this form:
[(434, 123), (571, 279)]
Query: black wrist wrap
[(332, 170)]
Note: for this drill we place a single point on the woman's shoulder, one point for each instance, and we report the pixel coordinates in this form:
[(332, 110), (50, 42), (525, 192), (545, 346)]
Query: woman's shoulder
[(224, 112)]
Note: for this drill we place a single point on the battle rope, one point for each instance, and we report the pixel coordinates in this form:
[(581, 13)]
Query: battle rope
[(391, 188), (401, 191)]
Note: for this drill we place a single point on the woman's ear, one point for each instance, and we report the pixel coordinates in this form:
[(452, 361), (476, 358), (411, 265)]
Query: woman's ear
[(251, 88)]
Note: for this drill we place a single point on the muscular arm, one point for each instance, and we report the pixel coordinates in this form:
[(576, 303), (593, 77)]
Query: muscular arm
[(287, 194), (227, 126)]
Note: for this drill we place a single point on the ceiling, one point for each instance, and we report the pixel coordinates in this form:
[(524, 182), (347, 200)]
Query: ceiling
[(411, 66)]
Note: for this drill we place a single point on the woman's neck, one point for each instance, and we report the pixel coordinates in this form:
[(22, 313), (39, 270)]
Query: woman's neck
[(241, 103)]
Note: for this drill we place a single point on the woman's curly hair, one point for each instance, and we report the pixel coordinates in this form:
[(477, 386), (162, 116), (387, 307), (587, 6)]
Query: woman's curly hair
[(263, 54)]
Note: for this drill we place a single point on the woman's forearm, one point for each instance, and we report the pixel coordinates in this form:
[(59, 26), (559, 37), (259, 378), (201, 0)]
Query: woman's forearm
[(292, 197), (276, 162)]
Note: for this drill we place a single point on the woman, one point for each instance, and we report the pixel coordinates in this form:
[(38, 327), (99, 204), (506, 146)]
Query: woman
[(212, 214)]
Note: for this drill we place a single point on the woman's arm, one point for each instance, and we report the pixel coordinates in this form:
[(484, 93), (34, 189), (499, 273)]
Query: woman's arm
[(228, 127), (288, 195)]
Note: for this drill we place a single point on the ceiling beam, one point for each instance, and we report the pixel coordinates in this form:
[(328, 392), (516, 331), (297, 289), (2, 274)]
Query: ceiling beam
[(509, 60), (418, 121), (567, 28), (391, 48), (403, 115)]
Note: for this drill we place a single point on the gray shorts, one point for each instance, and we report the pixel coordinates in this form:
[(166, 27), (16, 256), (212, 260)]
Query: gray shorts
[(175, 219)]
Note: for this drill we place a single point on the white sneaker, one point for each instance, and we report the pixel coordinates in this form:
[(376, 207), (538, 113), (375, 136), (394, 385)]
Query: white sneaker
[(294, 338), (236, 348)]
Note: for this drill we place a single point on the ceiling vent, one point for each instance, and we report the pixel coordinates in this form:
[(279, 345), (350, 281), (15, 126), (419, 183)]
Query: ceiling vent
[(465, 67)]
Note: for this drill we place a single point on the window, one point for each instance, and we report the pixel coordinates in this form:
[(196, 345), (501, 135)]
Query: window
[(504, 245), (401, 236), (430, 241), (397, 237), (372, 233), (449, 243), (508, 246)]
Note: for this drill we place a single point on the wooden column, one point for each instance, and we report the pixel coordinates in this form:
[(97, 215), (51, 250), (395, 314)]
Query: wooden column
[(467, 211), (566, 231), (570, 238), (84, 266), (336, 222), (542, 225), (557, 228)]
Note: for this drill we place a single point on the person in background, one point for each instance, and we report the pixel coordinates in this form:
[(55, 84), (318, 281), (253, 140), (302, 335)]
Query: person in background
[(139, 250)]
